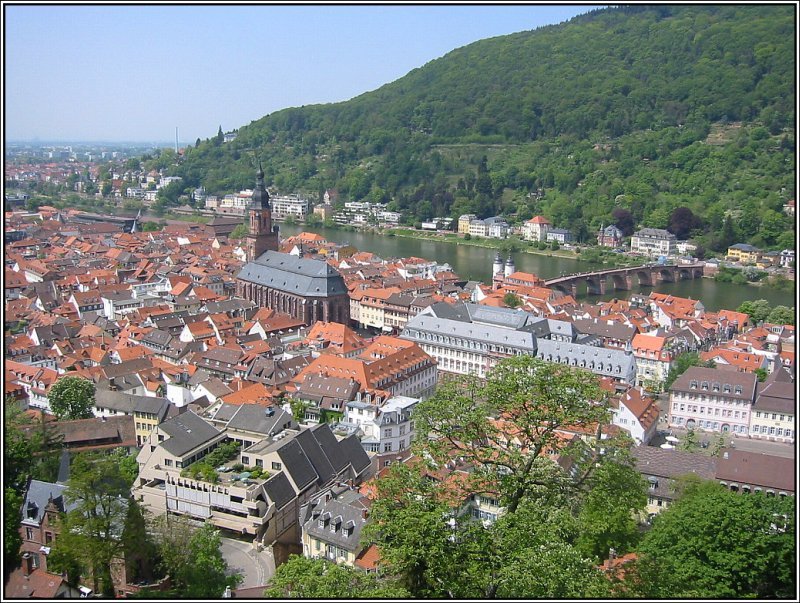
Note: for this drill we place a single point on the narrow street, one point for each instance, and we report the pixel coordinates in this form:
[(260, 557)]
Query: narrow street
[(255, 567)]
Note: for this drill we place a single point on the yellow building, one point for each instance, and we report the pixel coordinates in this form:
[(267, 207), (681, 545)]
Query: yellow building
[(744, 253), (464, 221)]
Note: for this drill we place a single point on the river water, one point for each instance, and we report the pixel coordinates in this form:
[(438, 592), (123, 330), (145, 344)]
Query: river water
[(475, 263)]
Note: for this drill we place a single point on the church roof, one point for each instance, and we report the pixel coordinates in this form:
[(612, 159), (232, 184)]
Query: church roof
[(299, 276)]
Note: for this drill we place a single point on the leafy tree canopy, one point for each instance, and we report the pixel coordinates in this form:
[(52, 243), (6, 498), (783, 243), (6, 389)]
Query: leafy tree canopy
[(302, 578), (713, 543), (72, 398)]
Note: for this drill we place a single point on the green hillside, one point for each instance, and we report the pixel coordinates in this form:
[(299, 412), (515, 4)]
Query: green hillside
[(621, 115)]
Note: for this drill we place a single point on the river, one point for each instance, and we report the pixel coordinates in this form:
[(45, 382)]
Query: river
[(475, 263)]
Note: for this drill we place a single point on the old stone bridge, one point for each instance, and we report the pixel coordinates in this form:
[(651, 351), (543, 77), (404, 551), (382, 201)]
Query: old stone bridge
[(622, 279)]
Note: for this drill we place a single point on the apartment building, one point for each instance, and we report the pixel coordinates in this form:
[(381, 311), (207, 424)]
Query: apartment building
[(713, 400)]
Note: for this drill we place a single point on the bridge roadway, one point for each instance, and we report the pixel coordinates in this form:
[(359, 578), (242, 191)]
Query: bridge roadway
[(621, 279)]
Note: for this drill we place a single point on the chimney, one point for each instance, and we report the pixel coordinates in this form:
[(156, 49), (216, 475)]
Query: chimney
[(27, 564)]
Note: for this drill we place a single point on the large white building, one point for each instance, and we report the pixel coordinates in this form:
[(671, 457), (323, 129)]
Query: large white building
[(654, 242), (471, 339), (290, 205)]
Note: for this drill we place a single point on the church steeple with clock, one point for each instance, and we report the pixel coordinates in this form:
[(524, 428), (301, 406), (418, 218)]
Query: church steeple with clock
[(262, 235)]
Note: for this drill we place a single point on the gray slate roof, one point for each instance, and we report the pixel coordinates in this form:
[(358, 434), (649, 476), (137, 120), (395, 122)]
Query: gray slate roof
[(330, 446), (601, 361), (37, 497), (615, 330), (465, 330), (300, 276), (347, 510), (186, 431), (128, 403), (355, 454), (279, 490), (315, 454), (296, 463), (254, 418)]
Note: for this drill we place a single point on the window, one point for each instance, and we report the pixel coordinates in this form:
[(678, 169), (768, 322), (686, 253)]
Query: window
[(245, 460), (168, 462), (259, 463), (387, 433), (387, 447), (29, 533)]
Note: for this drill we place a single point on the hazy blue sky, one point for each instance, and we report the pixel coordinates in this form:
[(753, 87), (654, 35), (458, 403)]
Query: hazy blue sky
[(134, 73)]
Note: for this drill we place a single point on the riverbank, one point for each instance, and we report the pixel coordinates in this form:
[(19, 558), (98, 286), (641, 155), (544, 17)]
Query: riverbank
[(517, 245)]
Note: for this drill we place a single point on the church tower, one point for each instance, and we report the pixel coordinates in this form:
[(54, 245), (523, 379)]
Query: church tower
[(262, 235)]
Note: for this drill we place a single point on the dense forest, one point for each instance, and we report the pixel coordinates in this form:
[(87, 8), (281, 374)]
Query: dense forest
[(678, 117)]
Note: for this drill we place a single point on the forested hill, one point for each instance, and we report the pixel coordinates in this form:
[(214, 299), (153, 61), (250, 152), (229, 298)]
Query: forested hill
[(639, 110)]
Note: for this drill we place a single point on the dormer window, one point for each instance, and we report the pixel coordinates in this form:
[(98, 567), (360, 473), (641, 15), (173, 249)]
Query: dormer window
[(715, 386), (693, 384), (738, 389), (705, 385), (726, 388)]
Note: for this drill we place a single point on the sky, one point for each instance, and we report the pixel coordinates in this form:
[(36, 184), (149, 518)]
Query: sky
[(135, 73)]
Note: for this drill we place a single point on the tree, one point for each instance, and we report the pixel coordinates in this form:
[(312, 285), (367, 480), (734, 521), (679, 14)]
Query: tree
[(239, 231), (781, 315), (608, 516), (302, 578), (100, 495), (757, 310), (12, 540), (681, 364), (511, 300), (128, 466), (205, 575), (623, 219), (682, 222), (72, 398), (690, 440), (138, 546), (714, 543)]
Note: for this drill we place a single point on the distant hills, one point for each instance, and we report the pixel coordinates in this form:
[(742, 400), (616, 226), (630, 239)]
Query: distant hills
[(642, 109)]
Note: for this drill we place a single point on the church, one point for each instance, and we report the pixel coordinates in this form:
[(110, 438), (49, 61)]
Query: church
[(308, 290)]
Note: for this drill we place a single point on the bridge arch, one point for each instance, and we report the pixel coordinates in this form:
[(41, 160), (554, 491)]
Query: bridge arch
[(621, 282), (645, 278), (594, 285), (666, 275), (684, 274)]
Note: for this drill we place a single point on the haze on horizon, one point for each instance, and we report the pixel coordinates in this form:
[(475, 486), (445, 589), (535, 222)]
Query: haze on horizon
[(133, 73)]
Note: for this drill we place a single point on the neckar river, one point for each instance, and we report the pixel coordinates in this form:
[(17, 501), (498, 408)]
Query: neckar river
[(475, 263)]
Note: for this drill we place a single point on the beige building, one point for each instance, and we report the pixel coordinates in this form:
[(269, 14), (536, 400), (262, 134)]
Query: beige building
[(773, 414), (295, 465)]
